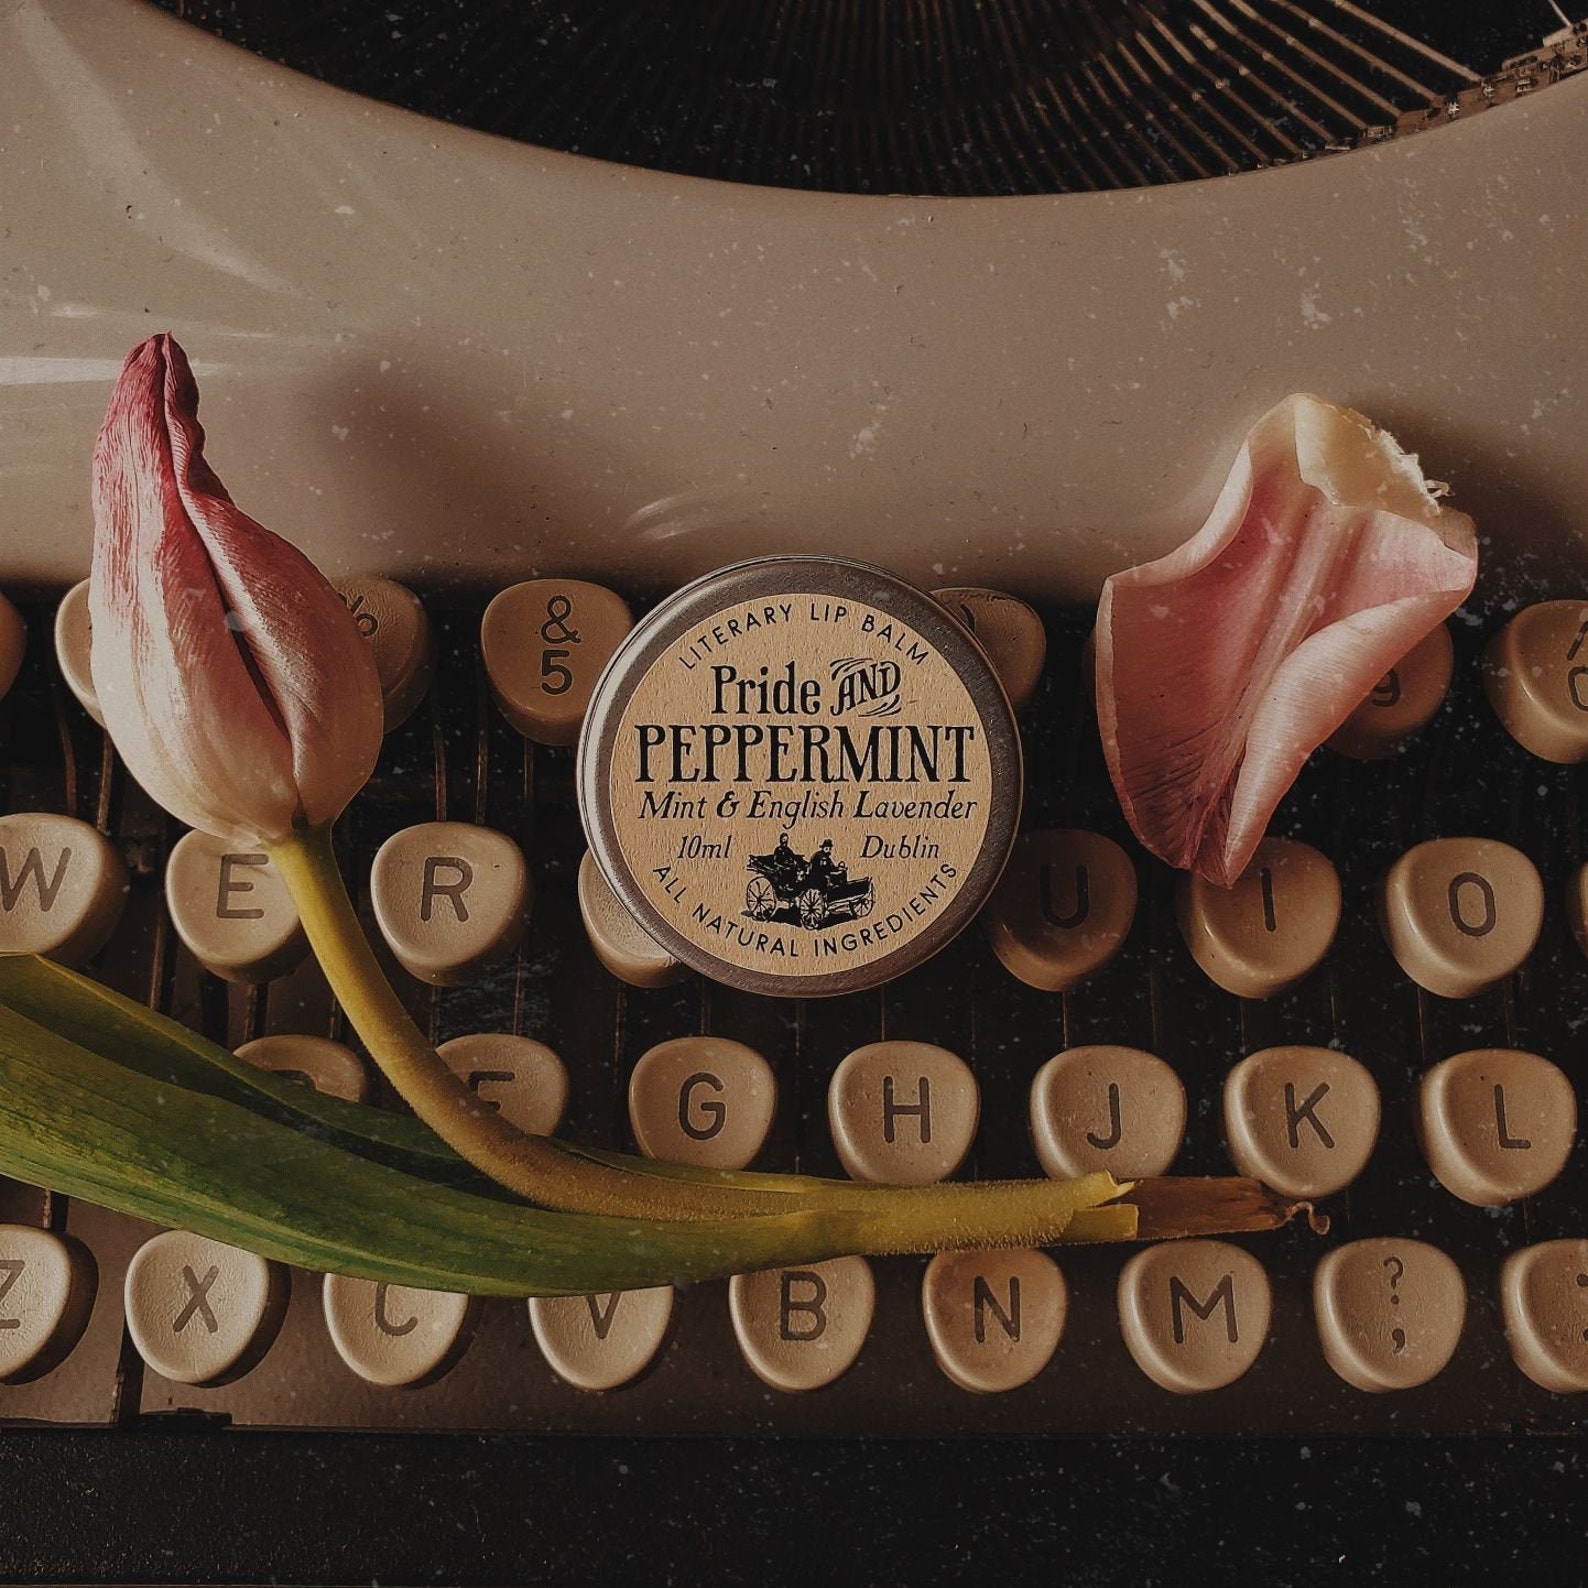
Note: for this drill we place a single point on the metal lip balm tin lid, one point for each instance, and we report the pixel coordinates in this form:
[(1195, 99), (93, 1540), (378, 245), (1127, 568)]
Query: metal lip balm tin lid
[(801, 776)]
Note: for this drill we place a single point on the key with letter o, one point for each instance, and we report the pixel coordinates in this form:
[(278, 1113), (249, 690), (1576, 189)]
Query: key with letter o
[(47, 1286), (73, 641), (994, 1318), (903, 1113), (1194, 1313), (1302, 1120), (1106, 1107), (1461, 914), (62, 887), (1496, 1124), (200, 1312), (600, 1342), (392, 1335), (392, 618), (1535, 673), (1544, 1301), (450, 899), (231, 908), (1389, 1312), (1008, 630), (1402, 703), (1062, 908), (801, 1328), (327, 1066), (545, 643), (619, 941), (702, 1100), (523, 1080), (13, 645), (1271, 928)]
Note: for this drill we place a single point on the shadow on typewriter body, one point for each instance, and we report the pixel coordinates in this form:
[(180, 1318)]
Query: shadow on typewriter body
[(1146, 1049)]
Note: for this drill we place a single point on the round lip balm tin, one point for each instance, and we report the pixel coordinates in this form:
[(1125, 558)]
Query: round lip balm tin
[(800, 775)]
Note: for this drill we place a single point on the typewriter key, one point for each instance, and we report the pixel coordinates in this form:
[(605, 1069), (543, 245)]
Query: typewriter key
[(800, 775)]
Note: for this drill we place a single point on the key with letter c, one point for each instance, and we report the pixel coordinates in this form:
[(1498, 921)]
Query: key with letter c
[(392, 1335)]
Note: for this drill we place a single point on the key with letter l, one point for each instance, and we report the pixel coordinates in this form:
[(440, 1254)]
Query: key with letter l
[(450, 899), (1496, 1124)]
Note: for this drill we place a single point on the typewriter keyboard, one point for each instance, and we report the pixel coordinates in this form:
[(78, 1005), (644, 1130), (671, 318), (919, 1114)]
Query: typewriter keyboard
[(1384, 1017)]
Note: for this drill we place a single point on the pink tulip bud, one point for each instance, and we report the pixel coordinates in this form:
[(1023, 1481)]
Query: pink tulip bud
[(1222, 666), (231, 677)]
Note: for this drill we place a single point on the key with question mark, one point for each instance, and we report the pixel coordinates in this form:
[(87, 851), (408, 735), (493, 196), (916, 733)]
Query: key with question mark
[(1390, 1312)]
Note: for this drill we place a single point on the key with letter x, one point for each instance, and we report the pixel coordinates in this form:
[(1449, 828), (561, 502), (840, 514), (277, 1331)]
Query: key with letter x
[(201, 1312)]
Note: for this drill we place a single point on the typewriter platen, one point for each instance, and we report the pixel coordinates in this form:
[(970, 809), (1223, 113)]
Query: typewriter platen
[(875, 362)]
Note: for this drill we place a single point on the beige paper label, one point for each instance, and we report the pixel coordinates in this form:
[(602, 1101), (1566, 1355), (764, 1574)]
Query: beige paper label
[(801, 784)]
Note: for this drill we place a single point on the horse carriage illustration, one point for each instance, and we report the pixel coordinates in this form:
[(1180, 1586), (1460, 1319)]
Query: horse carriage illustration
[(818, 889)]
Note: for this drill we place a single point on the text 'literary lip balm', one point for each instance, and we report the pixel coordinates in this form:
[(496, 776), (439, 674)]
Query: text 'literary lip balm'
[(800, 775)]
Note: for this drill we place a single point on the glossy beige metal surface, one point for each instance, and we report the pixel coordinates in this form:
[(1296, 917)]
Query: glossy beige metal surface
[(440, 356)]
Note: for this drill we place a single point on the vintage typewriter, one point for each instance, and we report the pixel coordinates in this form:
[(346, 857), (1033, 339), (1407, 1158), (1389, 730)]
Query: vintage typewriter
[(463, 362)]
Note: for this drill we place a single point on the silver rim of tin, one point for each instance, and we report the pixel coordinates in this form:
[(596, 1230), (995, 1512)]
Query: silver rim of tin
[(765, 576)]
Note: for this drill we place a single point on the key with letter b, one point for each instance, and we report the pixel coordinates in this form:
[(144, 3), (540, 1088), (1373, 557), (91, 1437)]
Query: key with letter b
[(800, 1328)]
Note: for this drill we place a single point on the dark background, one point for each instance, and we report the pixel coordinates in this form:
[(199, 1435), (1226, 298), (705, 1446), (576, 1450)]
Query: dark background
[(922, 96)]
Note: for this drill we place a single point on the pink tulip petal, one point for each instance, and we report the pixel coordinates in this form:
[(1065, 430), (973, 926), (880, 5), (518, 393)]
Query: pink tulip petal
[(1223, 665), (230, 676)]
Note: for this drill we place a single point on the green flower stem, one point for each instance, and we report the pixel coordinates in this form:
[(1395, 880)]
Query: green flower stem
[(886, 1219), (533, 1166)]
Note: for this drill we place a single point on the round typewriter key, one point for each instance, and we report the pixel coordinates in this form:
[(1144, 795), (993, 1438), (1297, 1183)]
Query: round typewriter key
[(800, 775)]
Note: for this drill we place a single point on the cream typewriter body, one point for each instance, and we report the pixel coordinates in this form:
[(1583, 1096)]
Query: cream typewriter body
[(460, 360)]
